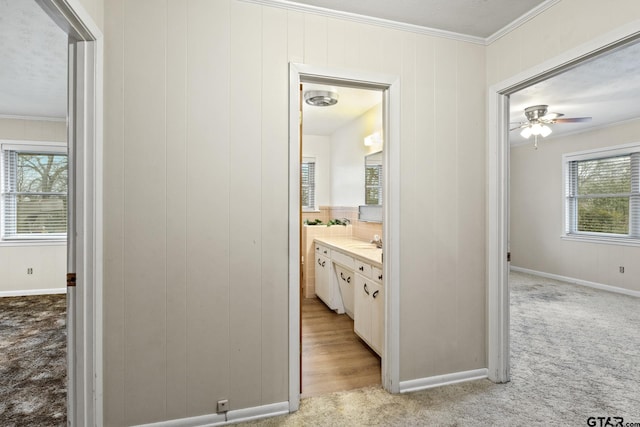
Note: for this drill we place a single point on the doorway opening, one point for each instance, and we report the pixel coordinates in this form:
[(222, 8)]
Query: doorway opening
[(389, 87), (342, 281), (499, 199)]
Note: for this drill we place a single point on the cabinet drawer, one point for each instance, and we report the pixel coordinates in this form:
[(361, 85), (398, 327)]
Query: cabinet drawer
[(363, 268), (322, 250), (376, 274), (342, 259)]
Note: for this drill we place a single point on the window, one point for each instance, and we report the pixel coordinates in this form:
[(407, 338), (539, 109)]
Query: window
[(34, 192), (602, 194), (373, 184), (308, 181)]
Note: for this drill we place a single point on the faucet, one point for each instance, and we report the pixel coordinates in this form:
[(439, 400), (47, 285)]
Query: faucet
[(378, 241)]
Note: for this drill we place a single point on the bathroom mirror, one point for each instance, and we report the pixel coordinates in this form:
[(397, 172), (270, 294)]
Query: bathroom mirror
[(373, 179)]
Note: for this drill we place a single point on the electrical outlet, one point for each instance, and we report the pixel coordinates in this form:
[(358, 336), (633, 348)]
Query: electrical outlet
[(621, 269), (223, 405), (29, 270)]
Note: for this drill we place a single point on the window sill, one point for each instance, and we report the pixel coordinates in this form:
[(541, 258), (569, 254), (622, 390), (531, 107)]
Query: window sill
[(16, 243), (311, 211), (606, 240)]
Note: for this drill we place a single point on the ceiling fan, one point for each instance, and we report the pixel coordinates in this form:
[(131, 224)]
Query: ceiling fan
[(538, 121)]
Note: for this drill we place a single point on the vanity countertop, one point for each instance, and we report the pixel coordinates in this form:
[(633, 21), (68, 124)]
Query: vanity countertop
[(357, 248)]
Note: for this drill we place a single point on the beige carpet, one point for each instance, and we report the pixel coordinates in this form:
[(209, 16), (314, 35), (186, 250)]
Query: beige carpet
[(575, 354)]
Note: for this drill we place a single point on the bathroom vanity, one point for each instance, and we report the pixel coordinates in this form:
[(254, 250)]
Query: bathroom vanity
[(349, 279)]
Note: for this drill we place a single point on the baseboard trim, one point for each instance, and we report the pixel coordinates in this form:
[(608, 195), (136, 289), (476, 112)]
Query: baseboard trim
[(231, 417), (581, 282), (442, 380), (28, 292)]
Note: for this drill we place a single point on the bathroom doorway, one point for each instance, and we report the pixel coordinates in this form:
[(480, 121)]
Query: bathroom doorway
[(341, 187), (389, 86)]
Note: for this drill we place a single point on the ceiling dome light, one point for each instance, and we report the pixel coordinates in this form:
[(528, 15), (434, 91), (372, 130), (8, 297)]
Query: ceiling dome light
[(321, 98)]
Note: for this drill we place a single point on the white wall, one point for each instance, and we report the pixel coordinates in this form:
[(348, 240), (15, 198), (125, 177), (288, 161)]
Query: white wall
[(47, 260), (347, 157), (537, 198), (319, 147), (195, 283)]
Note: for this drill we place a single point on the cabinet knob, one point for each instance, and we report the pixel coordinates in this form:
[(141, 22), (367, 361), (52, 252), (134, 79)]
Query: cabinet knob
[(375, 294), (342, 276), (366, 290), (319, 263), (325, 252), (349, 279), (380, 277), (361, 268), (323, 263)]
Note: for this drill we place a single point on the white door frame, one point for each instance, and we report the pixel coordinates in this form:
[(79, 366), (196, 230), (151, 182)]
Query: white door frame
[(390, 85), (498, 195), (84, 242)]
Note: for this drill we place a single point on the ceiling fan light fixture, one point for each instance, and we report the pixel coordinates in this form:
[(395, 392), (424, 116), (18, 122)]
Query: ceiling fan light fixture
[(321, 98), (526, 132), (545, 131)]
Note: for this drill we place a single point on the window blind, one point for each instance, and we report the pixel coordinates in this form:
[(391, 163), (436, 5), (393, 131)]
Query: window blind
[(34, 194), (603, 195), (308, 183)]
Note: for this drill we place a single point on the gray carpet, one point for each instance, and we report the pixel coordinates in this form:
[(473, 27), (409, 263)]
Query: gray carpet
[(575, 354), (33, 365)]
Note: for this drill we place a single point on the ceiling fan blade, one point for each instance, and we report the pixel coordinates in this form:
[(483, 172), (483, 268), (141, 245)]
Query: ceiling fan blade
[(573, 120), (519, 126), (551, 116)]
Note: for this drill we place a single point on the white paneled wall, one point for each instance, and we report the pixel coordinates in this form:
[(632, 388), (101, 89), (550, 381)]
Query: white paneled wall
[(196, 199)]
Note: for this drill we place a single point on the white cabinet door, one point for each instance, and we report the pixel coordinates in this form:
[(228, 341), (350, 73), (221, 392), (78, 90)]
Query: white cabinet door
[(323, 280), (362, 308), (377, 318)]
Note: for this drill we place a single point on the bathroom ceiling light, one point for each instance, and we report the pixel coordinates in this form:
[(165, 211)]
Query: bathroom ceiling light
[(321, 98)]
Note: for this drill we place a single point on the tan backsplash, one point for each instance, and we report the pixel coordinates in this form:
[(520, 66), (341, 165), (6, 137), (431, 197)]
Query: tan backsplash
[(357, 229)]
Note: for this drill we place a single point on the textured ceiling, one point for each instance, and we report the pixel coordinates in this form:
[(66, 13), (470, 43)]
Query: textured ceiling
[(479, 18), (351, 104), (606, 88), (33, 75)]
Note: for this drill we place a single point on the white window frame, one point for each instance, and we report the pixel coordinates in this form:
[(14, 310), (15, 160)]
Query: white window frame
[(39, 147), (313, 208), (633, 238)]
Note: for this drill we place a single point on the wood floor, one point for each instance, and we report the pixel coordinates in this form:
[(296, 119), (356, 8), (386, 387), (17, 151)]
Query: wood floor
[(334, 358)]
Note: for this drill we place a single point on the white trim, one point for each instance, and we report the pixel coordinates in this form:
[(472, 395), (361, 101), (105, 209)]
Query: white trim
[(35, 242), (603, 240), (403, 26), (85, 134), (498, 182), (390, 85), (231, 417), (527, 16), (364, 19), (442, 380), (34, 118), (580, 282), (29, 292)]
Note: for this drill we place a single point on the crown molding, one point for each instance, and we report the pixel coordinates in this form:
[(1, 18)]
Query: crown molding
[(521, 20), (363, 19), (34, 118), (418, 29)]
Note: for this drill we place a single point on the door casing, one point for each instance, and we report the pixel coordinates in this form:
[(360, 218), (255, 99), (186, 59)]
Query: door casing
[(498, 181), (84, 238), (390, 86)]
